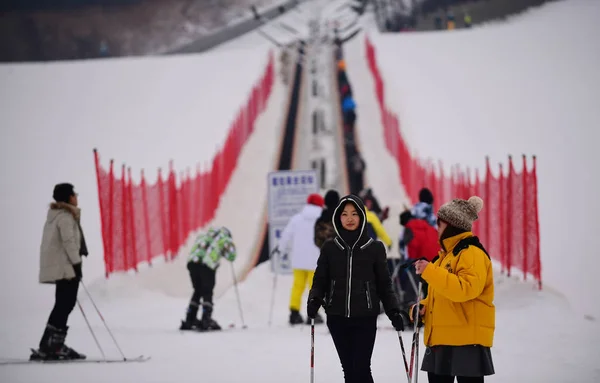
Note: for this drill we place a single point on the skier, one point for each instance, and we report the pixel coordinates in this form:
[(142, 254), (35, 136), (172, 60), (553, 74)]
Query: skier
[(203, 261), (324, 225), (297, 237), (372, 203), (63, 245), (419, 240), (350, 280), (424, 208), (459, 313), (375, 229)]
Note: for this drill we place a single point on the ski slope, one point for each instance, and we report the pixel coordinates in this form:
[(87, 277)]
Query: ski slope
[(145, 322), (143, 112), (538, 335), (523, 87)]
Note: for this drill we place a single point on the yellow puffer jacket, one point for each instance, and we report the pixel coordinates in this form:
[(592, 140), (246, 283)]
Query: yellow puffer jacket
[(459, 308), (378, 228)]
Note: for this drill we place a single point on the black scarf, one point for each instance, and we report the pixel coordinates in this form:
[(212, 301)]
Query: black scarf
[(350, 237), (450, 231)]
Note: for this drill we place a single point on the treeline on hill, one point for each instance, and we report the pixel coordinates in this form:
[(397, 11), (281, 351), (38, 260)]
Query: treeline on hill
[(54, 5)]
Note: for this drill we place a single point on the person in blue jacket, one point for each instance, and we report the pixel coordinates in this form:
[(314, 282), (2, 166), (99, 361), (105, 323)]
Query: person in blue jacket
[(349, 110)]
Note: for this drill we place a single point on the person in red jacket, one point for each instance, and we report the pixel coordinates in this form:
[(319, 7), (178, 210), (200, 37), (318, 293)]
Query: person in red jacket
[(419, 240)]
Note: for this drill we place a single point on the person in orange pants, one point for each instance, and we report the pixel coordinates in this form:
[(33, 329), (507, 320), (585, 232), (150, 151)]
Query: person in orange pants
[(297, 239)]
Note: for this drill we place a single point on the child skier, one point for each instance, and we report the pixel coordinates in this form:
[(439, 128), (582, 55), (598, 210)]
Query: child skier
[(203, 261)]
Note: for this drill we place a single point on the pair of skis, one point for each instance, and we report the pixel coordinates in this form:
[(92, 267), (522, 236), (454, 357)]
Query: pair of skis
[(140, 358), (104, 359)]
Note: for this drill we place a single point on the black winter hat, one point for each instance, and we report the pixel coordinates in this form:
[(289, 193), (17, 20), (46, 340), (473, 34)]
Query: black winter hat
[(62, 192), (426, 196), (332, 198), (405, 216)]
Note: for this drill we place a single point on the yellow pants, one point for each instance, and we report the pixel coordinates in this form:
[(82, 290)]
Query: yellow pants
[(301, 278)]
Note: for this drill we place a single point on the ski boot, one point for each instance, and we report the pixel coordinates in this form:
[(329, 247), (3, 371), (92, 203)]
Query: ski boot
[(207, 323), (53, 347), (295, 317), (191, 321)]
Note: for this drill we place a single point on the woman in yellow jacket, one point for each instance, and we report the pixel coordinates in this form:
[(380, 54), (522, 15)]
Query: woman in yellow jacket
[(458, 313)]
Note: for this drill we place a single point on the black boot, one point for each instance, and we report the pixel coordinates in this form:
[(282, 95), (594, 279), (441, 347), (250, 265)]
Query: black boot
[(207, 323), (191, 321), (43, 350), (52, 346), (66, 351), (295, 317)]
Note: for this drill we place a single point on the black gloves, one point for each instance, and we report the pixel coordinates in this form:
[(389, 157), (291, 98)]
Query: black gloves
[(397, 320), (313, 306), (78, 271)]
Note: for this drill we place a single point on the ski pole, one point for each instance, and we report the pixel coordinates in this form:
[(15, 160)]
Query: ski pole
[(103, 321), (237, 293), (414, 352), (91, 331), (418, 332), (403, 355), (276, 250), (312, 350), (273, 298)]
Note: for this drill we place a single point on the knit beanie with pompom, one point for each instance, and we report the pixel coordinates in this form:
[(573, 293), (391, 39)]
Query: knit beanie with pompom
[(460, 213)]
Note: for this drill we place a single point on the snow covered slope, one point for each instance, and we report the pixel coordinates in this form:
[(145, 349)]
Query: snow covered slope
[(537, 336), (526, 86), (141, 111), (145, 322)]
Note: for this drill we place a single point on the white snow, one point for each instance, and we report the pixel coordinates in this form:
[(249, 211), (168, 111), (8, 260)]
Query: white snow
[(143, 112), (524, 87), (50, 110), (537, 339)]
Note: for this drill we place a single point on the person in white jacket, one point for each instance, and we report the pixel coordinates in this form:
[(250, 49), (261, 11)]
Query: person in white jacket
[(63, 246), (297, 241)]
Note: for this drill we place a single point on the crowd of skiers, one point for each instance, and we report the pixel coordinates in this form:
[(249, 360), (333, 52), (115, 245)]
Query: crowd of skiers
[(339, 249), (336, 251), (355, 164)]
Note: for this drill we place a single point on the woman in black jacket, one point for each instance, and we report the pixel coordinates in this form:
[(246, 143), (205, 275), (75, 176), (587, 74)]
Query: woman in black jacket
[(350, 280)]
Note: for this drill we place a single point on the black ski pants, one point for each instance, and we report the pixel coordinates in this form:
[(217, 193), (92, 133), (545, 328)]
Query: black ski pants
[(203, 281), (65, 299), (354, 339), (433, 378)]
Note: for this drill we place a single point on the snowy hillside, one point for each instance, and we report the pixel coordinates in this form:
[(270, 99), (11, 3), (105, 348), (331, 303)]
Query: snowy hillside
[(140, 111), (522, 87), (148, 111), (145, 322)]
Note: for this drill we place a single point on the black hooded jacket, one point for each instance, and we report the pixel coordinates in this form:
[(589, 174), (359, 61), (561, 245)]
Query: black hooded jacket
[(324, 224), (352, 278)]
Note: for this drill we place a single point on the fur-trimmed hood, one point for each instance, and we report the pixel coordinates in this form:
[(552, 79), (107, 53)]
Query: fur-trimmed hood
[(57, 207)]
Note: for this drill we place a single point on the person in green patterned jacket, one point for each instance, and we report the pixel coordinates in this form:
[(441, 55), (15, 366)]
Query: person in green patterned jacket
[(203, 261)]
